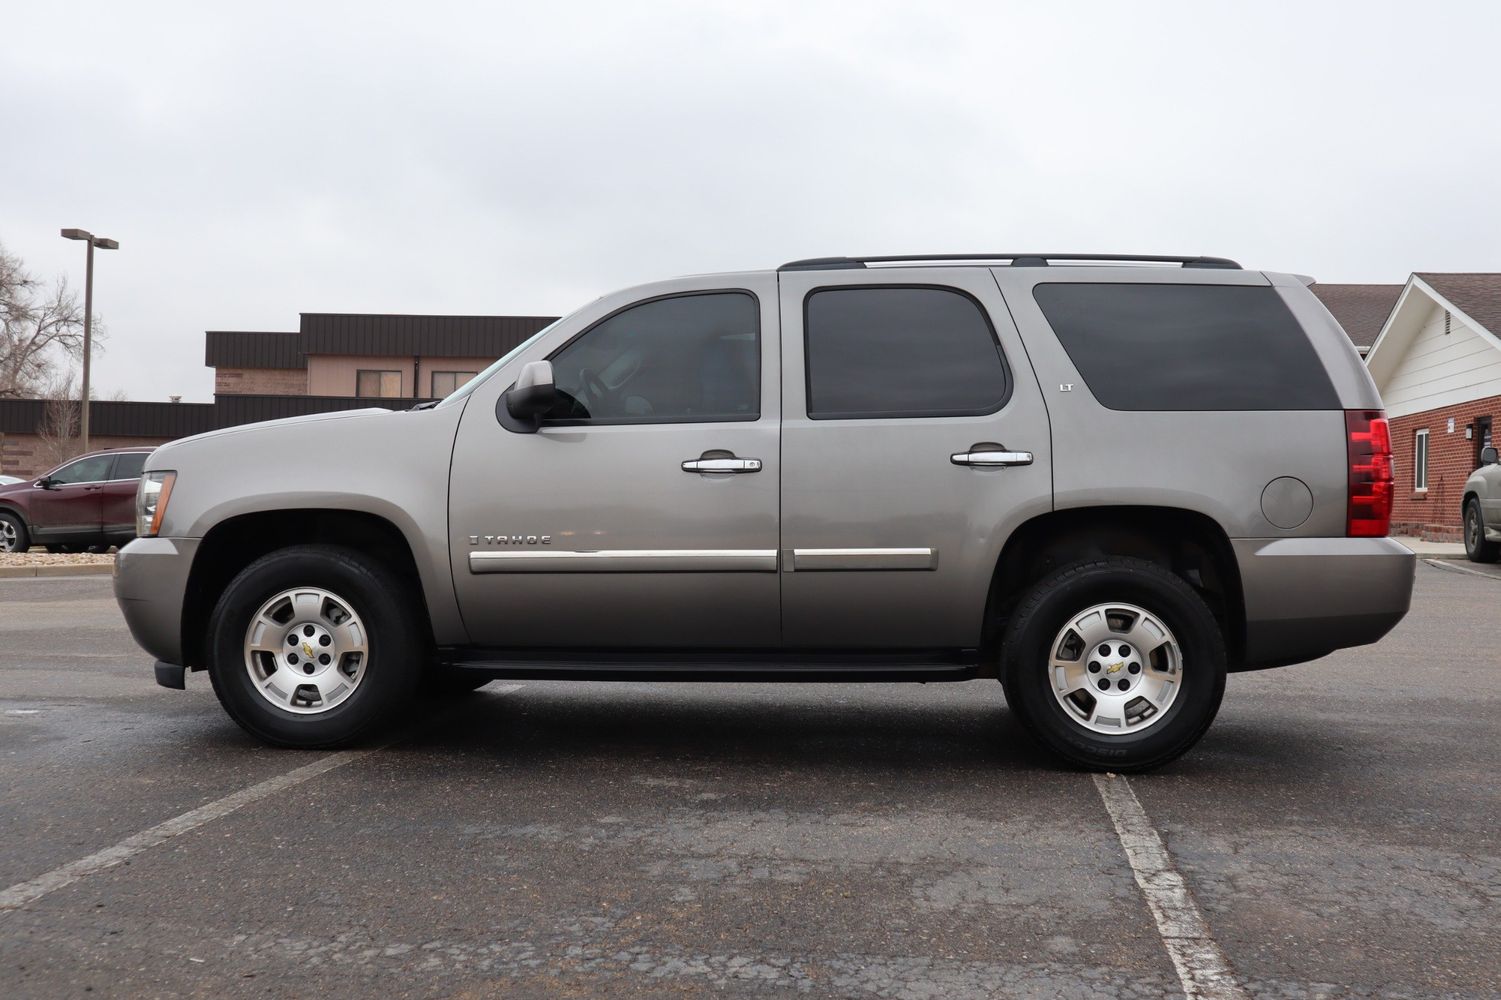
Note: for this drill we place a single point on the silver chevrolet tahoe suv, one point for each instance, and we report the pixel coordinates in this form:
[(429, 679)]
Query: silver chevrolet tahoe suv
[(1105, 481)]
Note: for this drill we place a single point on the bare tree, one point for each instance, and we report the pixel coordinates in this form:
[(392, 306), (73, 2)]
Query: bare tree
[(57, 435), (41, 329)]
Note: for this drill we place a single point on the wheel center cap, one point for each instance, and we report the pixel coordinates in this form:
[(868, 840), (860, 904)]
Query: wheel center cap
[(310, 648)]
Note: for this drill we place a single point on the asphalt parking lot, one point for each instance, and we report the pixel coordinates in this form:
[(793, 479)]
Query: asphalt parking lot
[(1337, 830)]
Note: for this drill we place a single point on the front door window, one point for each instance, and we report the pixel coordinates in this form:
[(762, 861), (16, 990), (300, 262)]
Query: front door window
[(86, 470), (686, 359)]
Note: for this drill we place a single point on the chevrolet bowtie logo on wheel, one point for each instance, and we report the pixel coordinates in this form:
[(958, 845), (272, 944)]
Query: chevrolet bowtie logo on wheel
[(307, 648), (1114, 668)]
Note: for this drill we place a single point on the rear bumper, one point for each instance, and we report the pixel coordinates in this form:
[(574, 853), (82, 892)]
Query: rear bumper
[(1306, 597), (151, 581)]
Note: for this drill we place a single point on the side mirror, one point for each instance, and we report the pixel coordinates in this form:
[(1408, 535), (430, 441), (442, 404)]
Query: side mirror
[(45, 483), (1488, 456), (532, 396)]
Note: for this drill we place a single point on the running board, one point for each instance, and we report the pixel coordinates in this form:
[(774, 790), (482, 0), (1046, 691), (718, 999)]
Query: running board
[(712, 665)]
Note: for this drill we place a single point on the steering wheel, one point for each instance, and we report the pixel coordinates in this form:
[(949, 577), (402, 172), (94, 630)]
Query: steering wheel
[(598, 391)]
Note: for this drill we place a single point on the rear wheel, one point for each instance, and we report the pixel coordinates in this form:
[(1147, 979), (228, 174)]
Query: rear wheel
[(315, 646), (13, 534), (1476, 547), (1115, 664)]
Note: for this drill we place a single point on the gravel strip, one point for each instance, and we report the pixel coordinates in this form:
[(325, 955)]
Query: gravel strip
[(41, 557)]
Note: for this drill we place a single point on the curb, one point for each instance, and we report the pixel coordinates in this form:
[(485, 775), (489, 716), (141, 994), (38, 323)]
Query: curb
[(30, 572)]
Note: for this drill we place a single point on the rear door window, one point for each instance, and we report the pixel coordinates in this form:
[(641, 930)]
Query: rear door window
[(1186, 347), (129, 465), (900, 351)]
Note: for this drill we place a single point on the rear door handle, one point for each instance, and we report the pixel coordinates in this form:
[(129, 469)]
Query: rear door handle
[(706, 466), (990, 457)]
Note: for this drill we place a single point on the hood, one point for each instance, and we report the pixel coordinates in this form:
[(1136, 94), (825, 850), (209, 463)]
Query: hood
[(316, 430)]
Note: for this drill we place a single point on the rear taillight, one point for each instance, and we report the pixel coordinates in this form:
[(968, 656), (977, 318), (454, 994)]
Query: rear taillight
[(1368, 442)]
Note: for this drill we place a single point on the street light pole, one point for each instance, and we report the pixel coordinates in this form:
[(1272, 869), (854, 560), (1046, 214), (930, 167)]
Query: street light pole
[(88, 349), (88, 320)]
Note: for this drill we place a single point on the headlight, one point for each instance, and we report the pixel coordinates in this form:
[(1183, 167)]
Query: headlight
[(152, 494)]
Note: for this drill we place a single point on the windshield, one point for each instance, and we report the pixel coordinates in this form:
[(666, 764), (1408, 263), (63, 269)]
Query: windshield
[(479, 379)]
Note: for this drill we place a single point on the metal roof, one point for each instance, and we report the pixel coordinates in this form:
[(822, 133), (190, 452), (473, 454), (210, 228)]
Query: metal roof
[(253, 349), (428, 336), (113, 418)]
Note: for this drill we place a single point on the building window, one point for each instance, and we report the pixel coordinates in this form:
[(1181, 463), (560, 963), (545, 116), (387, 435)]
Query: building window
[(368, 382), (445, 383), (1420, 460)]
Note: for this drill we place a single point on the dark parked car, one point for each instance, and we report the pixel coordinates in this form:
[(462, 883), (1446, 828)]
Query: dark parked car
[(84, 503)]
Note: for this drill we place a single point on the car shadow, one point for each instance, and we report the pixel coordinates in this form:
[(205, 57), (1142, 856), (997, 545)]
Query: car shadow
[(835, 727)]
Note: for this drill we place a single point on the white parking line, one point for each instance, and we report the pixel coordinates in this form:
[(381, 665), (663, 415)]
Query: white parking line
[(22, 893), (1449, 566), (1202, 966), (29, 891)]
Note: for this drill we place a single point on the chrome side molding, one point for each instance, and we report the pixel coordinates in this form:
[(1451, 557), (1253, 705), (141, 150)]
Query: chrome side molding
[(804, 560), (626, 561)]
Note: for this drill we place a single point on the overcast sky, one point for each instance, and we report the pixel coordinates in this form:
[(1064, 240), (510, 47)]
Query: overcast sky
[(260, 160)]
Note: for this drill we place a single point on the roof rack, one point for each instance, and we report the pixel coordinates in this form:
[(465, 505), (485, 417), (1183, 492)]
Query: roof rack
[(1013, 259)]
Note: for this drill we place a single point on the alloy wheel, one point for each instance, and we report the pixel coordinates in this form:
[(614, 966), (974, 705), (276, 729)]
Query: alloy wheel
[(1115, 669), (306, 650)]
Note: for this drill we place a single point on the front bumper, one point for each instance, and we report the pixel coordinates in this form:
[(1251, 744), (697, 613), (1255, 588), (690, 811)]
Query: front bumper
[(1306, 597), (151, 582)]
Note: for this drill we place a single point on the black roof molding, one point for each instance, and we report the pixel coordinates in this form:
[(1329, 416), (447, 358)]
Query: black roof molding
[(1014, 259)]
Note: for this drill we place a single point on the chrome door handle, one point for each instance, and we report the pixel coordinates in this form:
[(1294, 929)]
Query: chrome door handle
[(987, 458), (711, 465)]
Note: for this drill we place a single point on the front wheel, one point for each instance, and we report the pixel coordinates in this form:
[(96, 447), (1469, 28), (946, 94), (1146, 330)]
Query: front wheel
[(315, 646), (1476, 547), (13, 534), (1115, 664)]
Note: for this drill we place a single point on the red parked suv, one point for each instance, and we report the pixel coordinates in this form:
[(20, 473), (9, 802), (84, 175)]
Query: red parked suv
[(84, 503)]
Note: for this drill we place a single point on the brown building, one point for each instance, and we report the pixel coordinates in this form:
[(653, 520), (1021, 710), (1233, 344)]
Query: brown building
[(333, 361)]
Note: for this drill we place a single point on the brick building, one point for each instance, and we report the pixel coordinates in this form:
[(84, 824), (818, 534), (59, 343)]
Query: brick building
[(333, 361), (1437, 363)]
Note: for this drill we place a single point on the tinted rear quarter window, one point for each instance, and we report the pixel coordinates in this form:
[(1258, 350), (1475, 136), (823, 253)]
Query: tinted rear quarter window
[(129, 465), (1186, 347), (886, 351)]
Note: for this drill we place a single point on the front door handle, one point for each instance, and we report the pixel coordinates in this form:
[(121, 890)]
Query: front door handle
[(709, 466), (990, 456)]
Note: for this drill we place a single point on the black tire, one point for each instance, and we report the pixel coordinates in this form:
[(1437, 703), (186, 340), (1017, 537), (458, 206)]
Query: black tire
[(1476, 547), (1049, 606), (398, 648), (13, 534)]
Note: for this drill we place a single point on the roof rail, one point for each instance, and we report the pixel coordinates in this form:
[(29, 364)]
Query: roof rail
[(1014, 259)]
